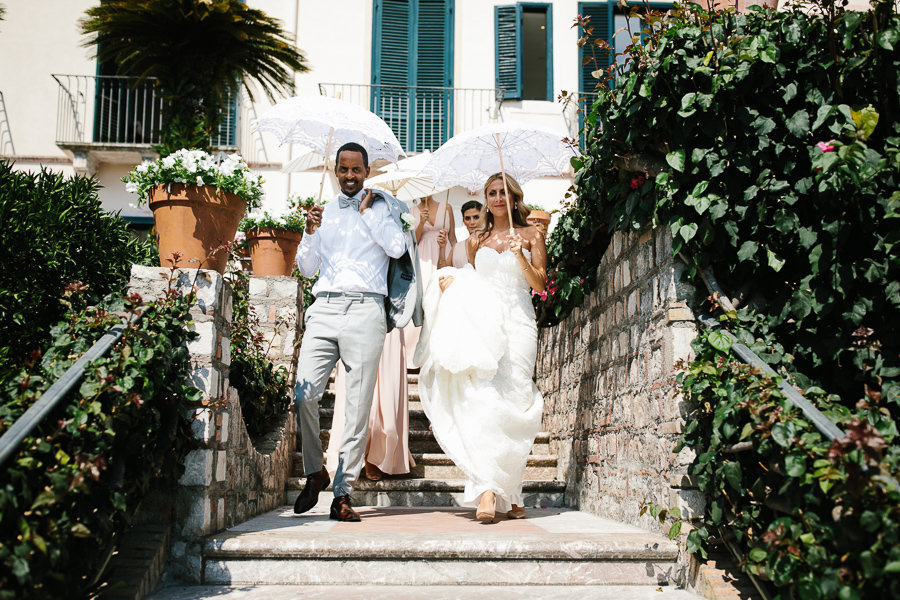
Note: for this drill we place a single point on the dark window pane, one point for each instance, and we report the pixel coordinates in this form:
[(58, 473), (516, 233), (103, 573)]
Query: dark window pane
[(534, 54)]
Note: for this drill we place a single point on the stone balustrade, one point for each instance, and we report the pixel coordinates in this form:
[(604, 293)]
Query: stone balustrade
[(607, 373)]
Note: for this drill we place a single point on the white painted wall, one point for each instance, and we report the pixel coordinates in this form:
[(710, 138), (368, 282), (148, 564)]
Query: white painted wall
[(37, 38)]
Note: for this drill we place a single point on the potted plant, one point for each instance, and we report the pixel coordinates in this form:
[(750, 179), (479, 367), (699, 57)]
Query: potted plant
[(539, 217), (273, 241), (197, 203)]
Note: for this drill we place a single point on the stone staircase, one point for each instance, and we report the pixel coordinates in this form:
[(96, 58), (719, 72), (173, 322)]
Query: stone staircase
[(415, 541), (435, 480)]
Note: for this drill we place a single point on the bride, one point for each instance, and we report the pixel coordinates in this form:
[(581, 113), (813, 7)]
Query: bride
[(477, 353)]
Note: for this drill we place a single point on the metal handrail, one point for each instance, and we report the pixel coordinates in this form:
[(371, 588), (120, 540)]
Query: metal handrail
[(52, 397), (825, 425)]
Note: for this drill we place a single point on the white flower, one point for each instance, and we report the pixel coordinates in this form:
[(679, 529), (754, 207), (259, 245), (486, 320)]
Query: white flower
[(131, 187), (142, 168), (169, 161), (407, 221), (228, 167), (200, 180)]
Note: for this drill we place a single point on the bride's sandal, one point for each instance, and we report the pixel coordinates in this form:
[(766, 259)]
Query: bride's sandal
[(485, 511), (517, 512)]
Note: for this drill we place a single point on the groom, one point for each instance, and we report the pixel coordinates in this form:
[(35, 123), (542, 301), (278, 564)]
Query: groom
[(351, 243)]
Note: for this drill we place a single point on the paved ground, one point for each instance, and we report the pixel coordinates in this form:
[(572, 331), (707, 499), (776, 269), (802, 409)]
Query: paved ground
[(434, 520), (429, 525), (287, 592)]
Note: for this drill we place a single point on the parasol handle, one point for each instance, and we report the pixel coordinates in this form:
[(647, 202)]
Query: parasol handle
[(509, 212), (446, 208), (325, 165)]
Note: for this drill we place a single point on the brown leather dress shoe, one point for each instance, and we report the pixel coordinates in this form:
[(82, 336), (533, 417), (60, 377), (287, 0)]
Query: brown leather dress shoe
[(315, 483), (342, 511)]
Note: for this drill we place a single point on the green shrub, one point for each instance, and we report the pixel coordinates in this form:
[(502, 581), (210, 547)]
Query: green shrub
[(767, 143), (53, 233), (818, 519), (263, 389), (77, 480)]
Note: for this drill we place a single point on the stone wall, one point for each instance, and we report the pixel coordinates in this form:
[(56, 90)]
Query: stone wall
[(276, 301), (227, 479), (608, 378)]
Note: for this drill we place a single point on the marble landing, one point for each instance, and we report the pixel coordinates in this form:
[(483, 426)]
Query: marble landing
[(377, 592), (436, 546)]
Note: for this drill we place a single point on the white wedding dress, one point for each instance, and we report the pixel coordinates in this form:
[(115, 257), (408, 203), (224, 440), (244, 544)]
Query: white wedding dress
[(477, 353)]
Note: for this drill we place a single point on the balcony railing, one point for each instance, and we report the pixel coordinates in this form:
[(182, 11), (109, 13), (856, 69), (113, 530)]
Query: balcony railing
[(422, 118), (107, 110)]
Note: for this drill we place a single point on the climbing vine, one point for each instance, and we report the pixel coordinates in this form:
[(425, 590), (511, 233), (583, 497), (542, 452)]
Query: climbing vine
[(768, 144)]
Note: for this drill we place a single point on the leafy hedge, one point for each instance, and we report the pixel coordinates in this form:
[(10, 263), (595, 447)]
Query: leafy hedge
[(768, 143), (53, 233), (263, 389), (818, 519), (75, 483)]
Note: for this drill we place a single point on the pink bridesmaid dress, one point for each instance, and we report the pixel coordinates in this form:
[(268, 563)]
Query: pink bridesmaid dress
[(429, 252), (459, 258), (387, 448)]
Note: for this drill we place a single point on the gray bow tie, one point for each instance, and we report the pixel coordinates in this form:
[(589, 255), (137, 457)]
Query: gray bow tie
[(347, 202)]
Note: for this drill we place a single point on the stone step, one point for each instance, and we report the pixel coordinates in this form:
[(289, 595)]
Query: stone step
[(433, 546), (417, 592), (415, 402), (422, 441), (439, 466), (431, 492), (417, 418)]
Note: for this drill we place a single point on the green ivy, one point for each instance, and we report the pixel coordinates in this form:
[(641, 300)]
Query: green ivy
[(78, 479), (817, 519), (768, 143)]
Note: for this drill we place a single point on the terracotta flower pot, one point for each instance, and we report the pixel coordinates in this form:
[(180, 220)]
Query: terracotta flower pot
[(273, 251), (540, 219), (195, 221)]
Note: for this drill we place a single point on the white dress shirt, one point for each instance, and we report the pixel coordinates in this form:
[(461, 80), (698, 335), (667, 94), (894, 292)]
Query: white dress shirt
[(351, 250)]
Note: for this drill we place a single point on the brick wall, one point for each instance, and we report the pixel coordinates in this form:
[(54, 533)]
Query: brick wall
[(228, 478), (608, 379)]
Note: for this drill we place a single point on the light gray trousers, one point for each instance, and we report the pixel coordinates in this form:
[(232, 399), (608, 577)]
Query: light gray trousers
[(351, 327)]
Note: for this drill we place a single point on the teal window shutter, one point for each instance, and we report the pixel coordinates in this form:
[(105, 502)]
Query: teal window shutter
[(390, 75), (412, 52), (508, 50), (601, 14), (433, 96)]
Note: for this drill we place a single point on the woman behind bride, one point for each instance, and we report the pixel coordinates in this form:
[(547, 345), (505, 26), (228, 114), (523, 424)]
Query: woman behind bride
[(477, 353)]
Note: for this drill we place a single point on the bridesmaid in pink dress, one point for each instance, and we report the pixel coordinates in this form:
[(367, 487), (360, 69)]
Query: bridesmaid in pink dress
[(471, 214), (387, 448), (429, 219)]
